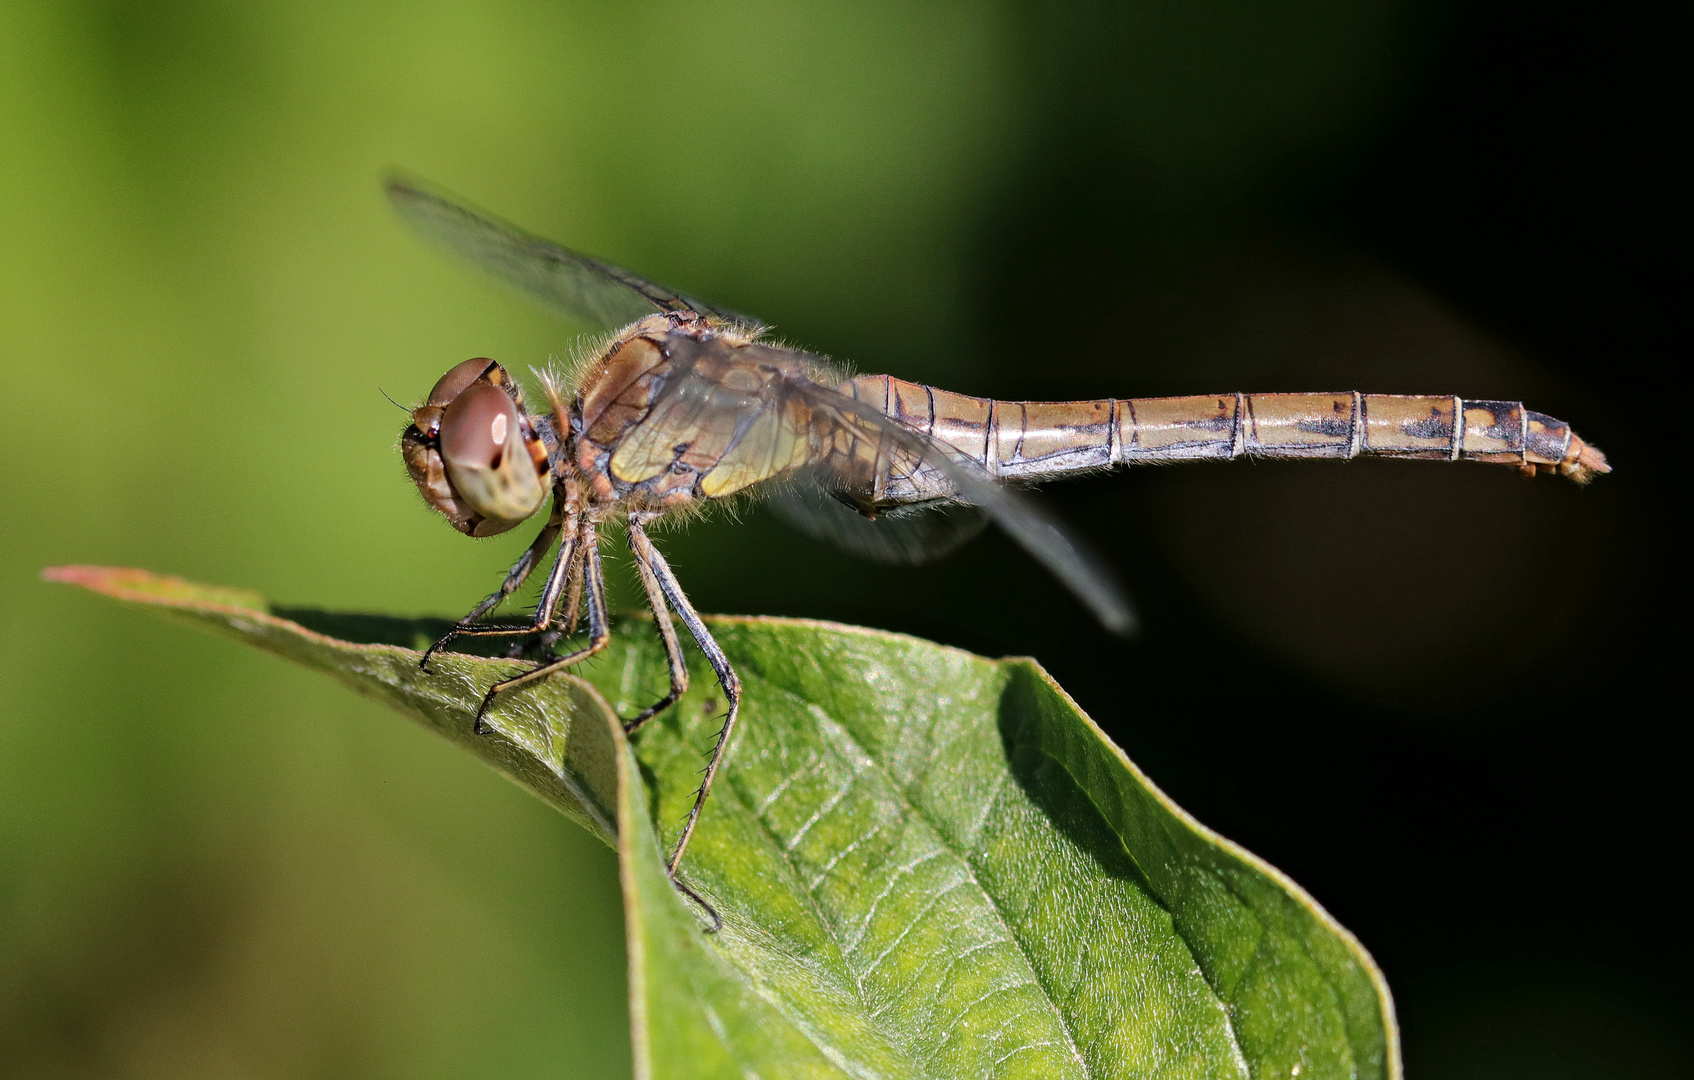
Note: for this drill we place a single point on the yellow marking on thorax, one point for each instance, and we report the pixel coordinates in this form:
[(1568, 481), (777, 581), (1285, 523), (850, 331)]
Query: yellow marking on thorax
[(773, 444)]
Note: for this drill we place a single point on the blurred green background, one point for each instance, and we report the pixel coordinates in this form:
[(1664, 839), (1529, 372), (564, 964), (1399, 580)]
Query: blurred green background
[(1427, 693)]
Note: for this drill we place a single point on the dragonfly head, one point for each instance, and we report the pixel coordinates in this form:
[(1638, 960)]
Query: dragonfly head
[(473, 453)]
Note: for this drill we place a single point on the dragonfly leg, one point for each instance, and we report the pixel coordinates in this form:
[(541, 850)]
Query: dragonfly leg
[(469, 626), (573, 598), (727, 678), (642, 548), (564, 625), (599, 630)]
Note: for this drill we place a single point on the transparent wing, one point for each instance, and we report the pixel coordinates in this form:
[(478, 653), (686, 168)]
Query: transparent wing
[(694, 416), (851, 444), (576, 285), (908, 452), (906, 536)]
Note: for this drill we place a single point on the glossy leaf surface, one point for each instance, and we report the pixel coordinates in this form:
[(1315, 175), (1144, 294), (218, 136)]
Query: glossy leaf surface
[(928, 863)]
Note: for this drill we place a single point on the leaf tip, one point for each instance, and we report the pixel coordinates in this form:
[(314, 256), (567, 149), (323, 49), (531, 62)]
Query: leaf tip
[(142, 586)]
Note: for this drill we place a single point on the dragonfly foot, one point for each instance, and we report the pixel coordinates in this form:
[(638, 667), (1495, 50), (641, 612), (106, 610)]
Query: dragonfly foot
[(441, 643), (634, 724), (539, 648), (477, 726), (711, 912)]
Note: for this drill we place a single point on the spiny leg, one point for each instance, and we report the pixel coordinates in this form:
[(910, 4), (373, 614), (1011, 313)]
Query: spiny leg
[(645, 557), (565, 565), (727, 678), (573, 599), (642, 548), (565, 625), (599, 631), (546, 608), (515, 577), (566, 613)]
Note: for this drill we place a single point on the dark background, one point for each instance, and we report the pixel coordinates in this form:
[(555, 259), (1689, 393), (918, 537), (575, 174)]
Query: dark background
[(1438, 697)]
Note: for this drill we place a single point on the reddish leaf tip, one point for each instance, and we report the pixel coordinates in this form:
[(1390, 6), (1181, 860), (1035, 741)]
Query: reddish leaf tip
[(143, 586)]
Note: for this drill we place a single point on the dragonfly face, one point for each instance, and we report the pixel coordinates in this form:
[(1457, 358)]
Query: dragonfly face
[(687, 405), (474, 454)]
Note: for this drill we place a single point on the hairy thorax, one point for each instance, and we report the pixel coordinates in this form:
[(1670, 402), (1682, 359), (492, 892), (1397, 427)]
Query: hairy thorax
[(679, 410)]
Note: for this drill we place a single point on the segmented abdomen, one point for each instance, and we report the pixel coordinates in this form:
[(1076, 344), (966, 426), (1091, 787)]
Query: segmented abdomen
[(1040, 440)]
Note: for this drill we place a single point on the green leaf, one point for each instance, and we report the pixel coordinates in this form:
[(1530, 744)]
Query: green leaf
[(929, 864)]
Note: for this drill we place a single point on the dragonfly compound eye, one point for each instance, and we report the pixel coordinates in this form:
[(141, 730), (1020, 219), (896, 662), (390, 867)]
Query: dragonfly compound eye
[(487, 463), (452, 384), (469, 452)]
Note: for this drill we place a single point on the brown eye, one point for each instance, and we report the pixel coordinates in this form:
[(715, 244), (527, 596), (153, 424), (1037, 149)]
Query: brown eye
[(487, 464), (476, 427), (452, 384)]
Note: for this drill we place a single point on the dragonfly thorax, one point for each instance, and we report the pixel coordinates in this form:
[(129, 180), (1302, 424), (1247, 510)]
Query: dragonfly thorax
[(678, 410)]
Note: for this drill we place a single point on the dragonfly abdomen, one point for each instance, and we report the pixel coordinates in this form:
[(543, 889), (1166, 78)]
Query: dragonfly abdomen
[(1034, 441), (1349, 425)]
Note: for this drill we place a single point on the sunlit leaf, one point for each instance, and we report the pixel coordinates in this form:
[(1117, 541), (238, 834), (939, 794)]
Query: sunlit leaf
[(928, 863)]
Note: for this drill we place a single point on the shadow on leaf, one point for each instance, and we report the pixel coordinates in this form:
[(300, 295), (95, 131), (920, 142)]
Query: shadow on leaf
[(1049, 783)]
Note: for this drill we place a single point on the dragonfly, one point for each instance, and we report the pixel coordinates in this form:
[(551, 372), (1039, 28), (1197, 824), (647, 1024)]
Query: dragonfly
[(686, 404)]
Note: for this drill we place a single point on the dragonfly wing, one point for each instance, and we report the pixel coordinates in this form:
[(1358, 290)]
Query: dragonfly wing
[(853, 442), (576, 285), (695, 419), (908, 536), (708, 415), (763, 432), (723, 412), (1018, 515)]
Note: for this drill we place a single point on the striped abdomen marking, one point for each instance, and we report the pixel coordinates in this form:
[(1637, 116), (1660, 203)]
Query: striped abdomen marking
[(1036, 440)]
